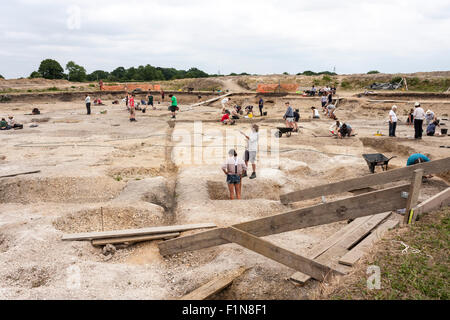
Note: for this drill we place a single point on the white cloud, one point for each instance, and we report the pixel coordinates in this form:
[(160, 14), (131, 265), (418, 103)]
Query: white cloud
[(255, 36)]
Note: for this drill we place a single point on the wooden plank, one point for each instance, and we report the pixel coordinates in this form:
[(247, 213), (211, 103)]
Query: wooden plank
[(432, 167), (214, 286), (434, 203), (352, 238), (103, 242), (413, 197), (20, 174), (341, 210), (341, 241), (364, 246), (135, 232), (288, 258)]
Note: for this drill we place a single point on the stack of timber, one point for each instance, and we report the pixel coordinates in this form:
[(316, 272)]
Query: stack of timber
[(130, 236)]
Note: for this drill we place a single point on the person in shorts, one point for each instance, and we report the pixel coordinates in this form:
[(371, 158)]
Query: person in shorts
[(251, 149), (289, 116), (174, 106), (233, 169)]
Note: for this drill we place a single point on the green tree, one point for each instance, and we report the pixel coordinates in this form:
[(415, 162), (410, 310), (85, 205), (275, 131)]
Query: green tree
[(373, 72), (286, 73), (196, 73), (34, 75), (1, 77), (98, 75), (51, 69), (75, 72), (118, 74)]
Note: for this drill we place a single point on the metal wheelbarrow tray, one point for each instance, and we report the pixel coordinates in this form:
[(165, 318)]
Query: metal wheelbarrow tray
[(283, 130), (377, 159)]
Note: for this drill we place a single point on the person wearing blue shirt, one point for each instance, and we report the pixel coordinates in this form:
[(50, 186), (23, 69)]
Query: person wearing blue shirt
[(417, 158), (431, 129)]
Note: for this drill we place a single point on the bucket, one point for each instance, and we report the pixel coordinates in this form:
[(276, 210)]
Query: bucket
[(444, 131)]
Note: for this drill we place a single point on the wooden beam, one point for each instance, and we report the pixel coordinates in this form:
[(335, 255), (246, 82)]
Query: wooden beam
[(214, 286), (364, 246), (341, 210), (432, 167), (135, 232), (342, 240), (103, 242), (434, 203), (288, 258), (326, 244), (413, 197), (19, 174)]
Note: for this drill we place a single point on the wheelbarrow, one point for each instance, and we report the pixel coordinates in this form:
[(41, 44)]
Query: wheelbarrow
[(284, 130), (377, 159)]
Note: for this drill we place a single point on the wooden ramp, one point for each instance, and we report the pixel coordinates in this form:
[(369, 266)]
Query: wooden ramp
[(333, 248)]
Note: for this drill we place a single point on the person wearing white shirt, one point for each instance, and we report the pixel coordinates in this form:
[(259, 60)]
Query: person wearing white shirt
[(392, 121), (233, 169), (225, 104), (419, 116), (88, 104), (251, 149)]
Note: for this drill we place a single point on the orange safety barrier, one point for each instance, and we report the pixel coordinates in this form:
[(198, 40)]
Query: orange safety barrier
[(275, 87), (130, 87)]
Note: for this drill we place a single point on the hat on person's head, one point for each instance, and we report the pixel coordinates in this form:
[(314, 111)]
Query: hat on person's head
[(428, 111), (232, 153), (394, 107), (417, 104)]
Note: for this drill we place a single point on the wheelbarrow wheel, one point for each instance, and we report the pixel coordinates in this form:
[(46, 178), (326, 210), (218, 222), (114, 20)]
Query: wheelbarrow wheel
[(278, 134)]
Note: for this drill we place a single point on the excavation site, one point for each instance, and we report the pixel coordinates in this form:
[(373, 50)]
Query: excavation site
[(100, 207)]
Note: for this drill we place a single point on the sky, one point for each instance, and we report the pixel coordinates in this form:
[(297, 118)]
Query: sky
[(257, 37)]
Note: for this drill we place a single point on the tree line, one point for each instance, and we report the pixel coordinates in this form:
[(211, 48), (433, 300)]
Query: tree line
[(52, 69)]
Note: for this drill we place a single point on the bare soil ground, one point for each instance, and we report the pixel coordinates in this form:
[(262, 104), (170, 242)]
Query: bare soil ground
[(145, 174)]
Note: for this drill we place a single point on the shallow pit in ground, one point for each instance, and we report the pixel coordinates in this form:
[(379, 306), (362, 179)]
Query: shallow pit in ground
[(28, 277), (218, 190), (59, 189), (113, 218)]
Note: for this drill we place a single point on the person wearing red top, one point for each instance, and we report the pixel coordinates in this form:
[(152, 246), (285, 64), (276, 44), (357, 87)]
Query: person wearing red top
[(132, 109), (226, 119)]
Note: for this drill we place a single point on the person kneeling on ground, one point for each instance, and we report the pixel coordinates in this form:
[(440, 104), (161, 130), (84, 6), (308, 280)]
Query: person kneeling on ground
[(315, 113), (334, 128), (251, 149), (344, 130), (226, 118), (417, 158), (233, 168), (431, 129), (4, 125), (12, 123)]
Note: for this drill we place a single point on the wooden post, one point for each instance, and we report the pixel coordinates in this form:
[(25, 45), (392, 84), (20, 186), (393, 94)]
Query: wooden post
[(413, 197)]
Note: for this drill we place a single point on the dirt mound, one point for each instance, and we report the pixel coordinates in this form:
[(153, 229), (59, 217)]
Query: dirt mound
[(387, 145), (114, 218), (59, 189), (133, 172)]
